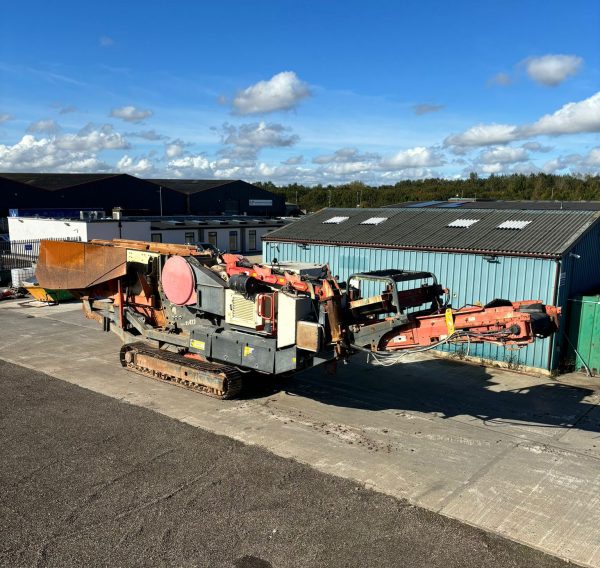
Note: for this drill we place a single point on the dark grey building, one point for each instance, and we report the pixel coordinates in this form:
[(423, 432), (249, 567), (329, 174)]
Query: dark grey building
[(136, 196), (225, 197)]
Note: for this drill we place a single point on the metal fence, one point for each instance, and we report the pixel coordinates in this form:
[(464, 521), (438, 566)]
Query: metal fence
[(22, 254)]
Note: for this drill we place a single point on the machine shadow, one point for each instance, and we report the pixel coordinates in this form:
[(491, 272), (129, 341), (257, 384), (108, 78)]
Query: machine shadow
[(447, 389)]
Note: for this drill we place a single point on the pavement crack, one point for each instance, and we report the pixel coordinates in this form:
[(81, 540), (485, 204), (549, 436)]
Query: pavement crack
[(473, 479)]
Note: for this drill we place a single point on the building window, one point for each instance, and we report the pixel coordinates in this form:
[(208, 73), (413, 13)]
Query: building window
[(190, 238), (233, 240), (252, 239), (156, 237), (212, 238)]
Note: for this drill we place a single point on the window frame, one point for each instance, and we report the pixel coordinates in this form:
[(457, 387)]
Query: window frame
[(235, 235), (252, 237)]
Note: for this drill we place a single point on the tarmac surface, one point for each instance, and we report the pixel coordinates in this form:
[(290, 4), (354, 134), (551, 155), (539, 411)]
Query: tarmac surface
[(87, 480), (513, 454)]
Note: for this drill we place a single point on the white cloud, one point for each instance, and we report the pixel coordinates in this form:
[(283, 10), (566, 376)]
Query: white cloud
[(551, 70), (500, 160), (282, 92), (106, 41), (572, 118), (347, 168), (590, 163), (537, 147), (31, 154), (593, 158), (130, 113), (43, 126), (151, 135), (67, 109), (426, 108), (413, 173), (265, 171), (504, 155), (500, 79), (175, 148), (246, 140), (561, 163), (345, 156), (143, 166), (190, 166), (5, 117), (294, 160), (419, 157), (483, 135), (92, 139)]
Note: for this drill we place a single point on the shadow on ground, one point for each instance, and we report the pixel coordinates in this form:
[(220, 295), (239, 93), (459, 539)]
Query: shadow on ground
[(443, 387)]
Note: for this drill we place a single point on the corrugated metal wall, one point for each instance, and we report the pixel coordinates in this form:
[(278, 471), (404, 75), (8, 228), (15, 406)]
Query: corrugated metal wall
[(580, 274), (470, 278), (585, 270)]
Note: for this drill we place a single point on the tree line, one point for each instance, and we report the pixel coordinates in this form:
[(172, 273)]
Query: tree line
[(512, 187)]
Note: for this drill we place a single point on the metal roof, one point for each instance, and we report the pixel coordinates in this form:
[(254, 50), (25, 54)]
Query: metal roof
[(190, 186), (53, 182), (546, 233), (491, 204)]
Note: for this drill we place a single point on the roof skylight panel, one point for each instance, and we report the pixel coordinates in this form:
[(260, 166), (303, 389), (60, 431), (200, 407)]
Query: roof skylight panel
[(374, 221), (463, 223), (335, 220), (518, 225)]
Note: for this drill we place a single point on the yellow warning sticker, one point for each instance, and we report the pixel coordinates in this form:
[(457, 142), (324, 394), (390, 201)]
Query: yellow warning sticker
[(197, 344), (450, 321), (248, 350), (140, 256)]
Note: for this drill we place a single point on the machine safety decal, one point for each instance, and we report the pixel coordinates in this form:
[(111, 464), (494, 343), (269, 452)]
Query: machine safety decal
[(197, 344), (248, 350), (140, 256), (449, 321)]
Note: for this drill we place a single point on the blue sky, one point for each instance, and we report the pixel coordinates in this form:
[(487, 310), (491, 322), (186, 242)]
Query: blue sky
[(311, 91)]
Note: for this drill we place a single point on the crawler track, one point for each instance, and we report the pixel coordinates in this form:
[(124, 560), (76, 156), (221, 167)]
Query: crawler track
[(212, 379)]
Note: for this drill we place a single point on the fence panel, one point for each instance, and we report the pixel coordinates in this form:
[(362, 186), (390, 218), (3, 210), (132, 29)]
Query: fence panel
[(22, 254)]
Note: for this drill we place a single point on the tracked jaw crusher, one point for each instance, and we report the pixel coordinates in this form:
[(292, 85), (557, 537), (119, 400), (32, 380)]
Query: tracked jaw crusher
[(206, 322)]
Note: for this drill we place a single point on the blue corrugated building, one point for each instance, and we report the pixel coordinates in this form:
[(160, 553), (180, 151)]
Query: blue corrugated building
[(479, 254)]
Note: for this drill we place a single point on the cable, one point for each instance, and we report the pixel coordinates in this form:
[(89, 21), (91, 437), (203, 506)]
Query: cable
[(389, 358)]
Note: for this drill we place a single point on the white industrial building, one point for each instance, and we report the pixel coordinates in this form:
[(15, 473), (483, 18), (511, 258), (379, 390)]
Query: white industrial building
[(237, 234), (229, 234), (36, 228)]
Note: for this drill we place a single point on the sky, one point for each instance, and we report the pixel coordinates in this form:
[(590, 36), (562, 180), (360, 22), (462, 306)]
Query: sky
[(301, 91)]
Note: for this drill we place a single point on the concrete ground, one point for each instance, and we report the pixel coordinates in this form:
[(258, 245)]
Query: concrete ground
[(89, 481), (513, 454)]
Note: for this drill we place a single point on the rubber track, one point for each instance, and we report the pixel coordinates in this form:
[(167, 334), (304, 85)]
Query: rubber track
[(231, 377)]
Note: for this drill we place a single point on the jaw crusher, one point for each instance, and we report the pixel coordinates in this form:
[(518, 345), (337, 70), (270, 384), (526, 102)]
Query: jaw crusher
[(207, 321)]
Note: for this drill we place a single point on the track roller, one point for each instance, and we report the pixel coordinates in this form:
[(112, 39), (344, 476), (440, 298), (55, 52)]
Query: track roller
[(212, 379)]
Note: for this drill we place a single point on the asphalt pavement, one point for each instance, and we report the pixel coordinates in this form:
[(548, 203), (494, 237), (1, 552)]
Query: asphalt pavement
[(89, 480)]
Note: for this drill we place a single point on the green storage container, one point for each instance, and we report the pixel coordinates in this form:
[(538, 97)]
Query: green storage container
[(584, 333)]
